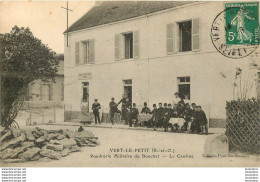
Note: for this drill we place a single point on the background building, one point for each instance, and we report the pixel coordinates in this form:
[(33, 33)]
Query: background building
[(148, 51), (48, 91)]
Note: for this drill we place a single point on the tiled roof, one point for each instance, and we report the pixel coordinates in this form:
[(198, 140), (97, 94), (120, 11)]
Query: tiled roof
[(112, 11)]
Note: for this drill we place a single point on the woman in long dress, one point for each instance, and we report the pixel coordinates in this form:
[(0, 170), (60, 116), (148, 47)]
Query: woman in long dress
[(239, 21)]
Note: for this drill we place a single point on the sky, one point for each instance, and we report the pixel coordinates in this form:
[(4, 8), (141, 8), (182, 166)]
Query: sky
[(47, 20)]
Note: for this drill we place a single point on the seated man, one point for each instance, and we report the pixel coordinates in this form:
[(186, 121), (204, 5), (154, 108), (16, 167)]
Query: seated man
[(134, 114), (187, 116), (154, 117), (146, 110), (166, 117)]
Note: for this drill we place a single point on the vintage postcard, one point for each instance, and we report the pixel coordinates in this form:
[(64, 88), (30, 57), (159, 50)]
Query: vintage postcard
[(129, 84)]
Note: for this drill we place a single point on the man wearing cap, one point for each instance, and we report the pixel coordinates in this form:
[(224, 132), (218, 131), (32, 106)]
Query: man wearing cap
[(160, 113), (166, 117), (145, 109), (134, 115), (95, 107), (125, 103), (155, 117), (113, 110)]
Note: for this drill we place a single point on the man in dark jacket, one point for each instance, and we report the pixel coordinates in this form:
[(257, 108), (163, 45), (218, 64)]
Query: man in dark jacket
[(160, 113), (125, 103), (187, 116), (203, 122), (195, 125), (145, 109), (134, 114), (166, 117), (113, 110), (155, 117), (95, 107), (170, 110)]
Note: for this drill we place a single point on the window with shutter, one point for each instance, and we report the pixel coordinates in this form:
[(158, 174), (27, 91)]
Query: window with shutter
[(136, 45), (91, 51), (128, 45), (85, 45), (195, 35), (77, 53), (185, 36), (117, 46), (170, 38)]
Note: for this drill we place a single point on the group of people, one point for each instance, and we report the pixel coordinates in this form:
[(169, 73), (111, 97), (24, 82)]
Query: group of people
[(192, 115)]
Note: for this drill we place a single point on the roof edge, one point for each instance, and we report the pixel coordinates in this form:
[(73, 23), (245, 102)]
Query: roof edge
[(138, 17)]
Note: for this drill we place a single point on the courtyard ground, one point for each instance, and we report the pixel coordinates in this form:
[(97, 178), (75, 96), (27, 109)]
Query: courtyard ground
[(124, 147)]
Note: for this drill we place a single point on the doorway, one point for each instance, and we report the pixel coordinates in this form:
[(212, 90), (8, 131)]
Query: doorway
[(85, 97), (128, 89)]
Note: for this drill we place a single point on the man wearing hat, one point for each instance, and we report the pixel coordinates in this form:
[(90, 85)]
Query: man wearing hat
[(145, 109), (155, 117), (160, 113), (113, 110), (125, 103), (95, 107)]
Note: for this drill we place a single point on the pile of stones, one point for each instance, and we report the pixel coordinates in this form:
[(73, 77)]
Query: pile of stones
[(38, 144)]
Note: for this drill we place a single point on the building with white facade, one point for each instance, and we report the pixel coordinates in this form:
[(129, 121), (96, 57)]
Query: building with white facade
[(148, 51)]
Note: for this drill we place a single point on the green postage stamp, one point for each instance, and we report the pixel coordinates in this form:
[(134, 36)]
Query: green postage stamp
[(242, 26)]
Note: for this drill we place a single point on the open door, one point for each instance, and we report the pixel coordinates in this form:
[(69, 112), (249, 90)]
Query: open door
[(85, 97), (128, 89)]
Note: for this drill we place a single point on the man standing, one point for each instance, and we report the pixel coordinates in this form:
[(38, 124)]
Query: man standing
[(113, 110), (203, 122), (95, 107), (160, 113), (125, 103), (166, 117)]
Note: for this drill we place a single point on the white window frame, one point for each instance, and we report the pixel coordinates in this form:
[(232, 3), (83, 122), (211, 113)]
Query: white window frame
[(85, 52), (183, 83), (82, 87), (124, 46), (179, 43)]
